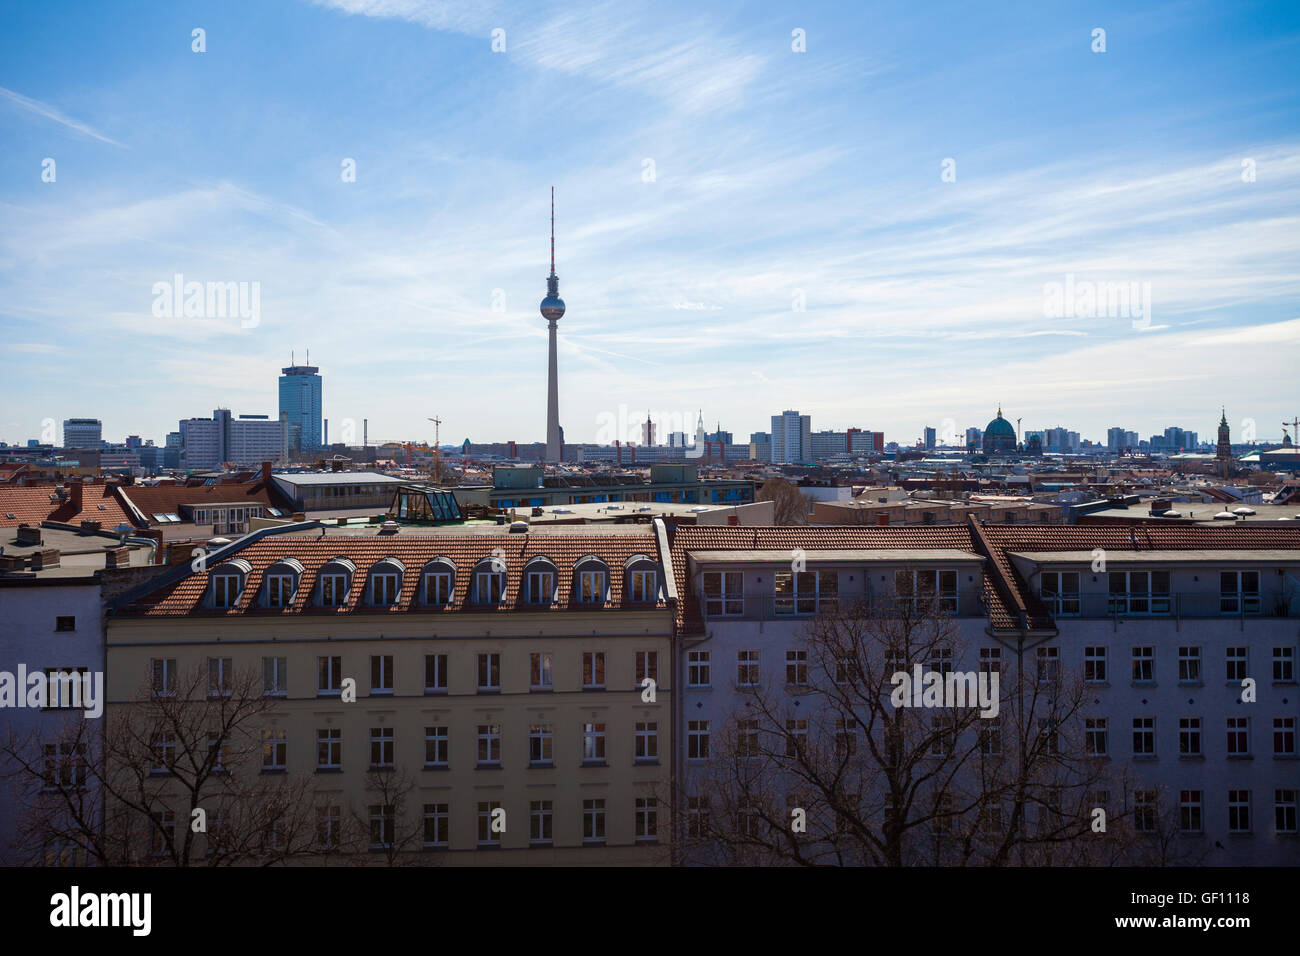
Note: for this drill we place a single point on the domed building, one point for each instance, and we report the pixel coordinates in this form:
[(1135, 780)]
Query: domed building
[(1000, 436)]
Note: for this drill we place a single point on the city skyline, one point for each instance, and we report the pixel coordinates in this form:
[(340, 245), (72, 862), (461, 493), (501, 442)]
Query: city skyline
[(825, 264)]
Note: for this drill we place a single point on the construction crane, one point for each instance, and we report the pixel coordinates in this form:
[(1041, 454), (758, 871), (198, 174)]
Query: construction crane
[(437, 444), (1295, 429)]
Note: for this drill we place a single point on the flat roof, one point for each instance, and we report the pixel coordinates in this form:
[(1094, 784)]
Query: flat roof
[(854, 555), (1205, 555), (339, 478)]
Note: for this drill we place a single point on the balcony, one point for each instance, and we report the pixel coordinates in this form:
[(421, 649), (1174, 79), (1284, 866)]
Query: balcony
[(1187, 605), (768, 607)]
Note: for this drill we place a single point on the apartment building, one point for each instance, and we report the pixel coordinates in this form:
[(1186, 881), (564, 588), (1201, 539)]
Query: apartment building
[(1160, 626), (503, 673)]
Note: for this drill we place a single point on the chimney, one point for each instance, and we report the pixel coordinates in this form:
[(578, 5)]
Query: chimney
[(76, 496), (45, 558), (12, 562), (27, 535), (117, 557), (266, 472)]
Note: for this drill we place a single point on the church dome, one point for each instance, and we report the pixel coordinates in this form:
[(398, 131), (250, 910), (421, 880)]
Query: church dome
[(999, 437)]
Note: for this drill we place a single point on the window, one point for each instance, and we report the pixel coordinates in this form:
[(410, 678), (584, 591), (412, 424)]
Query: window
[(747, 668), (437, 589), (540, 822), (806, 592), (1096, 742), (1144, 665), (796, 737), (162, 752), (940, 660), (275, 676), (1284, 665), (1284, 736), (593, 743), (540, 740), (65, 623), (164, 676), (221, 672), (647, 742), (697, 668), (489, 672), (225, 589), (647, 819), (435, 673), (990, 661), (1189, 736), (1049, 663), (329, 676), (1189, 665), (697, 817), (593, 821), (1238, 811), (1239, 592), (1284, 811), (435, 747), (1144, 811), (163, 832), (329, 827), (1094, 665), (488, 828), (65, 765), (921, 590), (334, 589), (846, 737), (217, 751), (381, 748), (329, 748), (279, 590), (697, 740), (1189, 811), (436, 825), (1238, 736), (541, 587), (382, 822), (645, 587), (796, 668), (1139, 592), (489, 587), (489, 745), (747, 738), (723, 595), (647, 665), (540, 671), (990, 736), (1235, 663), (1060, 592), (384, 587), (591, 587), (593, 670), (275, 750), (1144, 736), (381, 673)]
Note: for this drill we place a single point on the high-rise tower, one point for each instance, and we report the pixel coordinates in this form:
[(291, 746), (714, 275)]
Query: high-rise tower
[(552, 311)]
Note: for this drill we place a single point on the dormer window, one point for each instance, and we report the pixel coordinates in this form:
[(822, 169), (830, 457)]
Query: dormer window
[(490, 582), (439, 580), (386, 582), (642, 586), (282, 583), (592, 580), (228, 582), (539, 581), (336, 582)]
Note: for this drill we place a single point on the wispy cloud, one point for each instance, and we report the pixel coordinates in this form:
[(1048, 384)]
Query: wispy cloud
[(50, 112)]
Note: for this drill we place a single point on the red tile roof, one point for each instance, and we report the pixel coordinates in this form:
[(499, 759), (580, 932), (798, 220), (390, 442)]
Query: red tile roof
[(161, 499), (187, 596), (31, 504)]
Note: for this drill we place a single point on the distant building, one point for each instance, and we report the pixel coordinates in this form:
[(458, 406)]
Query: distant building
[(648, 431), (791, 438), (246, 441), (929, 438), (300, 402), (1000, 436), (85, 433), (826, 444), (974, 438)]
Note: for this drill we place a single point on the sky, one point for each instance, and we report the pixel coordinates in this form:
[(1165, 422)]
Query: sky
[(871, 213)]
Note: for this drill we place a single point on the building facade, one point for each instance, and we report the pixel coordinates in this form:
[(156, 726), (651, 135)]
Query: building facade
[(300, 404)]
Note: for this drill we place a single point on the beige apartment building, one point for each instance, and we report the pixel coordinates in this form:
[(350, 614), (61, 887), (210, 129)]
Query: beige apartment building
[(503, 674)]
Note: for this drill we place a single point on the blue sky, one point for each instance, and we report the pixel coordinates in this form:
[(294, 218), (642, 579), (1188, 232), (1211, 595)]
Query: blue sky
[(778, 177)]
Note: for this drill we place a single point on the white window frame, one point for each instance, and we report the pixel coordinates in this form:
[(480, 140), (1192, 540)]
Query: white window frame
[(437, 588), (724, 593), (698, 668)]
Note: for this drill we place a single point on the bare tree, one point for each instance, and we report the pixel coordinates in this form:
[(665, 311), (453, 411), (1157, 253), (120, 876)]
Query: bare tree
[(388, 824), (789, 505), (822, 767), (174, 777)]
